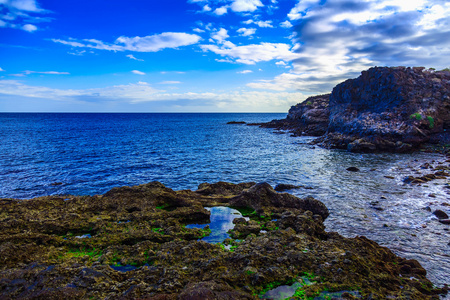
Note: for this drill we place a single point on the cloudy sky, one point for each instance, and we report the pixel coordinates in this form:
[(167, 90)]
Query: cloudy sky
[(205, 55)]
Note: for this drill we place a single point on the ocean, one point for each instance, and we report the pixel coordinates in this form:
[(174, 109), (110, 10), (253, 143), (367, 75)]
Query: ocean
[(90, 153)]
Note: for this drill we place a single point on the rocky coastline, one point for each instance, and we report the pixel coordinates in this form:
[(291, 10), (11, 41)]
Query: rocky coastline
[(133, 243), (385, 109)]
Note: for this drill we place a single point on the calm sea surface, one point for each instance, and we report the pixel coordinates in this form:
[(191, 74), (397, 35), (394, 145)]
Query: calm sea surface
[(92, 153)]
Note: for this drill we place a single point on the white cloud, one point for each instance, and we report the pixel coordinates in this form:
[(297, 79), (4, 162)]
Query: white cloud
[(221, 35), (251, 54), (1, 70), (176, 72), (198, 30), (245, 5), (137, 72), (221, 10), (286, 24), (266, 24), (77, 52), (29, 27), (19, 14), (141, 92), (280, 63), (336, 40), (262, 24), (152, 43), (170, 82), (246, 31), (245, 72), (28, 72), (23, 5), (206, 8), (131, 92), (131, 56), (301, 8)]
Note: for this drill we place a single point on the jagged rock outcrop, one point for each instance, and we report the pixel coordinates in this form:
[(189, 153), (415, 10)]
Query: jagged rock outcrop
[(309, 118), (389, 109), (385, 109), (262, 195)]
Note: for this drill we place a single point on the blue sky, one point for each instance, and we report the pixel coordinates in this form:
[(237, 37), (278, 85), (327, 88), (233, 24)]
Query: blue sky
[(204, 55)]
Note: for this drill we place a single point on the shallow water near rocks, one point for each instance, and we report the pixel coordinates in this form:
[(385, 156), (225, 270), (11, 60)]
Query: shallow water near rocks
[(221, 221), (92, 153)]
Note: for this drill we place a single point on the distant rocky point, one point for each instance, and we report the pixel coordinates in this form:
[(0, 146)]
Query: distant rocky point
[(385, 109), (236, 122)]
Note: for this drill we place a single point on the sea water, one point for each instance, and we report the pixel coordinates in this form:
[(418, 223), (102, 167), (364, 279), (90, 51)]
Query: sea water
[(87, 154)]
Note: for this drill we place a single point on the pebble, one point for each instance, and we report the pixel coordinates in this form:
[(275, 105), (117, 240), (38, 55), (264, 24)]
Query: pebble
[(445, 221), (440, 214)]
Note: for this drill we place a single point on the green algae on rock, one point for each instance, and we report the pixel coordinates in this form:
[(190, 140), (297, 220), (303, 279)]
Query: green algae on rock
[(65, 247)]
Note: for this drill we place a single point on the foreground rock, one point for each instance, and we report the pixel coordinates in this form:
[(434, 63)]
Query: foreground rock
[(132, 243), (384, 109)]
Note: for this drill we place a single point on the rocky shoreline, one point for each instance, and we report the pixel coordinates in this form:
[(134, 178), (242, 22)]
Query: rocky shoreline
[(132, 242), (384, 110)]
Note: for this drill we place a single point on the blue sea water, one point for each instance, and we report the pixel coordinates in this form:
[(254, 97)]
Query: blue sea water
[(92, 153), (85, 154)]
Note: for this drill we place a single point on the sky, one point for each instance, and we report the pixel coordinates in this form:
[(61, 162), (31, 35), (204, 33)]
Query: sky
[(205, 55)]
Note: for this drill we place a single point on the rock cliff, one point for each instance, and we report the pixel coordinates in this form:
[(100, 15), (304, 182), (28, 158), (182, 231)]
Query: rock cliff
[(311, 117), (384, 109)]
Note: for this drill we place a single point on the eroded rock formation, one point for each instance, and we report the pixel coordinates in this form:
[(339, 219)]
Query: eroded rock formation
[(132, 243), (384, 109)]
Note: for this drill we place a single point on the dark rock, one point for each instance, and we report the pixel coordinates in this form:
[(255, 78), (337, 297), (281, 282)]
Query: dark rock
[(56, 183), (440, 214), (211, 290), (384, 109), (284, 187), (241, 230), (445, 221), (427, 177), (390, 107), (236, 122), (353, 169), (41, 257), (310, 117), (239, 221), (223, 188), (263, 195)]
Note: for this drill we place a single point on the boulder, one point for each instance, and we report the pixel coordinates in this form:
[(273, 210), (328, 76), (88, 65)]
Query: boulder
[(223, 188), (263, 195)]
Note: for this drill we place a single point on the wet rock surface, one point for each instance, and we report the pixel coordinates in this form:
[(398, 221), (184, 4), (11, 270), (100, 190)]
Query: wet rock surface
[(64, 247)]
